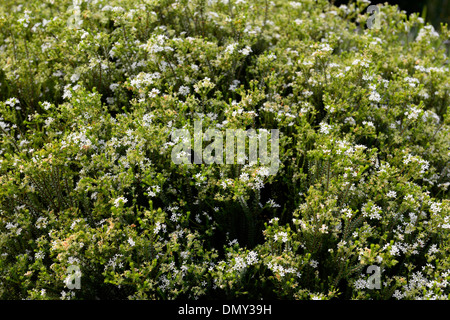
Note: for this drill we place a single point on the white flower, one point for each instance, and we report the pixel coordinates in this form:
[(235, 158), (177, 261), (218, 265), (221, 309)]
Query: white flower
[(360, 284), (239, 264), (153, 93), (433, 249), (435, 207), (223, 184), (58, 73), (425, 165), (324, 48), (118, 200), (49, 121), (323, 228), (412, 81), (283, 236), (394, 250), (367, 77), (157, 227), (314, 263), (245, 51), (350, 120), (263, 171), (131, 242), (391, 194), (12, 102), (183, 90), (205, 83), (252, 258), (272, 204), (244, 176), (41, 222), (427, 32), (325, 128), (73, 260), (273, 220), (67, 92), (75, 77), (423, 93), (39, 255), (46, 105), (398, 295), (230, 48), (428, 114), (368, 123), (347, 212), (375, 97), (330, 109), (413, 114), (307, 93), (147, 119), (113, 86), (234, 85)]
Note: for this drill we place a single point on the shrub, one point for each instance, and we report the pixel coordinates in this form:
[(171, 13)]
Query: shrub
[(91, 92)]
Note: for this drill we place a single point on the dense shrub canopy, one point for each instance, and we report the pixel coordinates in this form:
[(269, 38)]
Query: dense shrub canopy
[(90, 92)]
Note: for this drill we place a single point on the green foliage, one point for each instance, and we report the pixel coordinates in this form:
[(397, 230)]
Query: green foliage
[(91, 91)]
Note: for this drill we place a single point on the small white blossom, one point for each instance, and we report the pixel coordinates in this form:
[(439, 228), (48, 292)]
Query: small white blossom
[(391, 194), (119, 200)]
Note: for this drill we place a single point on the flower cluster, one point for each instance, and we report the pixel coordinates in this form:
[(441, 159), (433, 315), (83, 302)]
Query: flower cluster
[(88, 106)]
